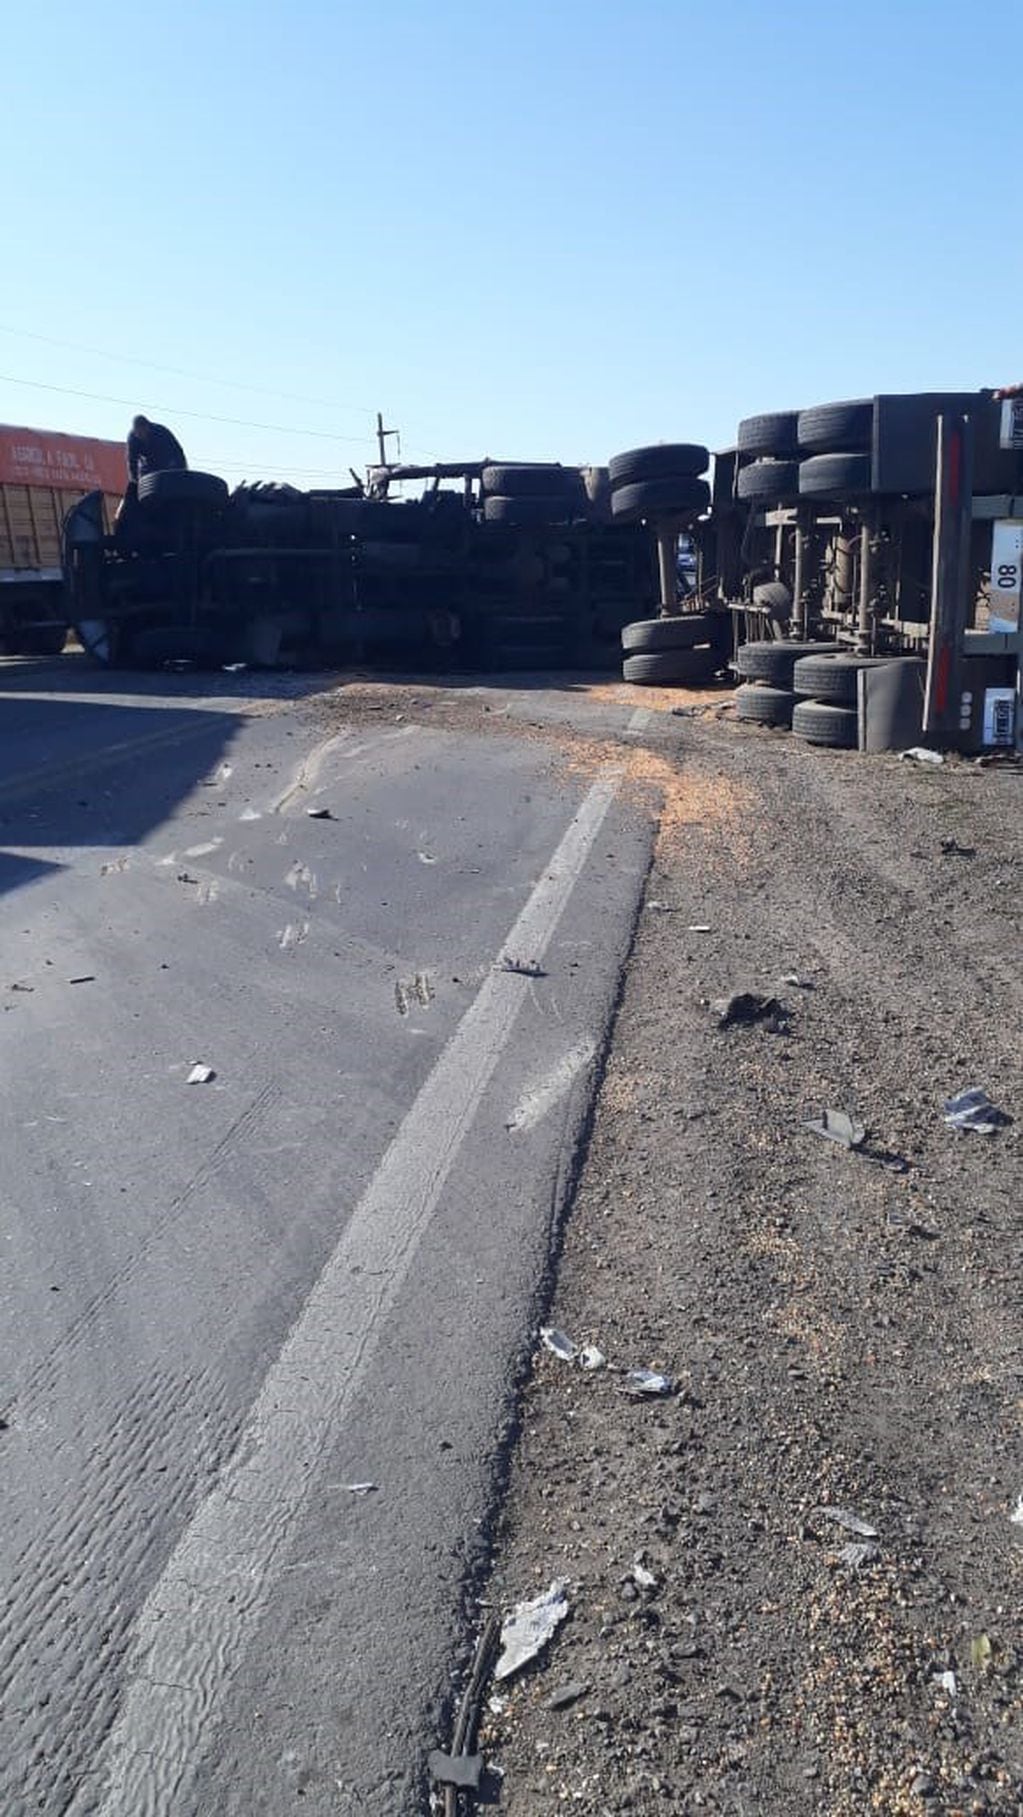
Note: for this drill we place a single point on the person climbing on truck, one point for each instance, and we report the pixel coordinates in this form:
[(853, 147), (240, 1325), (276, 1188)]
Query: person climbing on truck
[(152, 449)]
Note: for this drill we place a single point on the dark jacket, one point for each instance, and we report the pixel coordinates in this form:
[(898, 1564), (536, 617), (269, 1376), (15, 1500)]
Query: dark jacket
[(162, 451)]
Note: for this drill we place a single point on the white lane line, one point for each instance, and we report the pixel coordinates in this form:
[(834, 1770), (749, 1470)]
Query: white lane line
[(544, 1093), (638, 723), (194, 1626)]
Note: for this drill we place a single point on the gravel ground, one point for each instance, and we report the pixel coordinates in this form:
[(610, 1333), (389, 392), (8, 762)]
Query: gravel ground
[(844, 1328)]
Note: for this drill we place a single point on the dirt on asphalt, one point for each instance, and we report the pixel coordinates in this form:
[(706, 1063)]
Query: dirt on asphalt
[(843, 1326)]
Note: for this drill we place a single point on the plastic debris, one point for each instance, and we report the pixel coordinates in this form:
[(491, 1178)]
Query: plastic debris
[(947, 1682), (837, 1126), (525, 968), (919, 753), (530, 1626), (851, 1522), (85, 978), (699, 927), (559, 1343), (980, 1652), (360, 1488), (859, 1552), (647, 1384), (745, 1007), (1016, 1516), (951, 848), (233, 668), (662, 908), (591, 1358), (319, 814), (973, 1109), (200, 1075)]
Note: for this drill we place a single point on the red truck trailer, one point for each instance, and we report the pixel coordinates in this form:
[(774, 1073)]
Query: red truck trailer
[(42, 474)]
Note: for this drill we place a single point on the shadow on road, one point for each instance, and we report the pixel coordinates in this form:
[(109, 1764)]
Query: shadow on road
[(79, 773)]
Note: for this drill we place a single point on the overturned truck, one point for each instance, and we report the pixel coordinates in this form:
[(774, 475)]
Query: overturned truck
[(512, 566)]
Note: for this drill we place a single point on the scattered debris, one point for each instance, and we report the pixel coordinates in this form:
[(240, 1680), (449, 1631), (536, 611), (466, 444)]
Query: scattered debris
[(233, 668), (462, 1768), (919, 753), (566, 1695), (796, 982), (663, 908), (360, 1488), (525, 968), (200, 1075), (529, 1627), (952, 849), (319, 814), (973, 1109), (647, 1384), (851, 1522), (86, 978), (463, 1771), (837, 1126), (745, 1007), (426, 858), (591, 1358), (980, 1652), (642, 1575), (699, 927), (557, 1341), (1016, 1516), (21, 986), (859, 1552), (186, 877), (947, 1682)]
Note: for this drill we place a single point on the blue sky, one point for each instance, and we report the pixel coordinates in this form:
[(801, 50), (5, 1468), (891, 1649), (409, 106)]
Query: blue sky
[(530, 230)]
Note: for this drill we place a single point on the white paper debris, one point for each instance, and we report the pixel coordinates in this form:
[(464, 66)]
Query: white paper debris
[(200, 1075), (529, 1627)]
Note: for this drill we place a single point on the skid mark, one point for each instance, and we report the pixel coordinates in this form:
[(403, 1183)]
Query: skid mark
[(42, 1381), (542, 1096), (410, 991)]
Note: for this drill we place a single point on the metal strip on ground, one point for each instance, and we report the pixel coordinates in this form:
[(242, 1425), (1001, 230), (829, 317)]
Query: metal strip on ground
[(194, 1627)]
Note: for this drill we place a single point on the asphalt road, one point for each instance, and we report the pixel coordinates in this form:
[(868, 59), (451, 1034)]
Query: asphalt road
[(224, 1304)]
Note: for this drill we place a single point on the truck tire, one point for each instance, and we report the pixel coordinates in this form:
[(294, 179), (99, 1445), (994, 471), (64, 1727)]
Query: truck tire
[(662, 462), (526, 513), (827, 427), (832, 678), (182, 486), (543, 479), (652, 634), (775, 597), (758, 704), (819, 722), (835, 476), (773, 433), (680, 667), (682, 495), (773, 662), (768, 482)]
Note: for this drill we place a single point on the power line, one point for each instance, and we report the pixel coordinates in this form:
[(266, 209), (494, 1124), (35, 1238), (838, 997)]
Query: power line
[(199, 416), (182, 372)]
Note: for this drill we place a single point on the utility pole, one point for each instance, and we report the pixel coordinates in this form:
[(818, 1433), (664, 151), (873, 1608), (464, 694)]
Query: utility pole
[(382, 435)]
